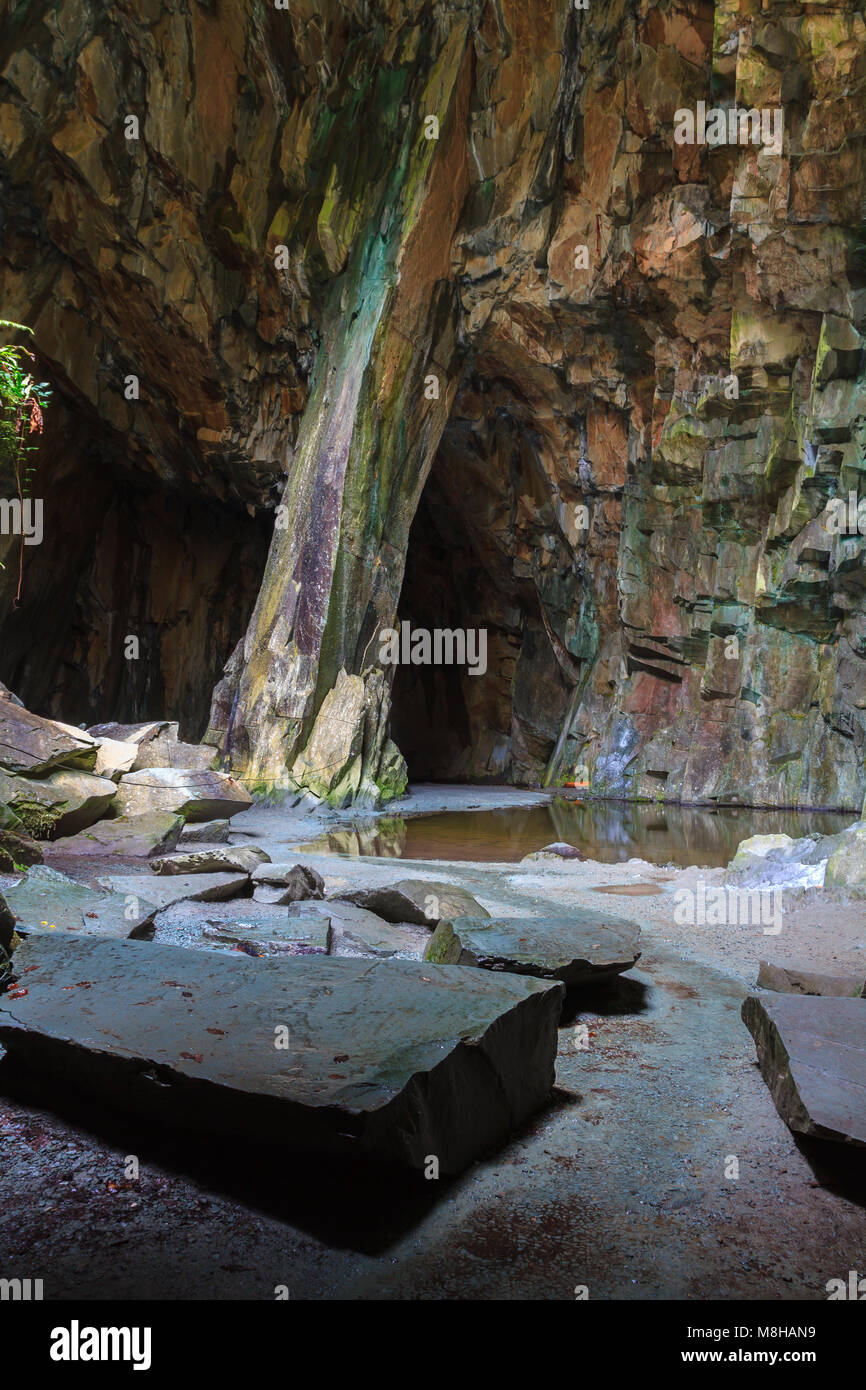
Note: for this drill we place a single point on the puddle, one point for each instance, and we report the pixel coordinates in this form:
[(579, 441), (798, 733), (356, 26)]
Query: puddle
[(607, 831)]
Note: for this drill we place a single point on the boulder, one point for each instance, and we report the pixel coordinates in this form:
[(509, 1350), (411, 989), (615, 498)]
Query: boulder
[(794, 979), (176, 888), (391, 1058), (846, 867), (207, 832), (128, 837), (417, 900), (32, 745), (114, 758), (63, 802), (199, 796), (558, 850), (780, 861), (225, 859), (357, 932), (168, 752), (135, 733), (812, 1055), (45, 901), (286, 883), (17, 852), (582, 947)]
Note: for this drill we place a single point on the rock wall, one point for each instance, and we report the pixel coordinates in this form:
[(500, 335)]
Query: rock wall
[(666, 335)]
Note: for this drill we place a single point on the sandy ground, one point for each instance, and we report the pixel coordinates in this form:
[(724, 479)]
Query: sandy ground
[(624, 1183)]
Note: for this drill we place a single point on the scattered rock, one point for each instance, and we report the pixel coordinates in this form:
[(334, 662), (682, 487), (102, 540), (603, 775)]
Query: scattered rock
[(45, 902), (228, 859), (286, 883), (578, 948), (209, 832), (417, 900), (176, 888), (812, 1054), (199, 796), (136, 733), (129, 837), (32, 745), (794, 979), (846, 867), (779, 861), (357, 932), (390, 1057)]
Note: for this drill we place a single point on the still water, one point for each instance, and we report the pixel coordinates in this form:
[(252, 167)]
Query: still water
[(608, 831)]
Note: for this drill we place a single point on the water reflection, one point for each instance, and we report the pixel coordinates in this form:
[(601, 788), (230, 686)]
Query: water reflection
[(609, 831)]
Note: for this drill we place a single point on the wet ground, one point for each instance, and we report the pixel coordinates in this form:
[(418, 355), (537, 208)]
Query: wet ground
[(659, 1169)]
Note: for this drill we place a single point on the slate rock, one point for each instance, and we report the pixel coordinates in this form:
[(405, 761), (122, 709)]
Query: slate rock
[(794, 979), (286, 883), (198, 796), (812, 1054), (292, 936), (175, 888), (33, 745), (582, 947), (391, 1058), (417, 900), (136, 733), (355, 931), (45, 902), (17, 851), (114, 758), (208, 832), (846, 867), (558, 850), (129, 837), (225, 859), (169, 752), (7, 923), (63, 802)]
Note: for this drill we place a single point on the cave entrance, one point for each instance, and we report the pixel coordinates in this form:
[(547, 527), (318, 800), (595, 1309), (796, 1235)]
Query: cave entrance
[(469, 567)]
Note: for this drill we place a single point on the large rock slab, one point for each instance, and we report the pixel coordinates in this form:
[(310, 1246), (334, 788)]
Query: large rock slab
[(206, 832), (309, 935), (389, 1057), (195, 795), (136, 733), (128, 837), (846, 867), (576, 949), (812, 1054), (78, 799), (114, 758), (225, 859), (33, 745), (169, 752), (45, 901), (789, 978), (176, 888), (418, 900)]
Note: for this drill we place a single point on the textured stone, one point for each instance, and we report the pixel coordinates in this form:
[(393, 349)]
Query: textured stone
[(846, 867), (389, 1057), (293, 936), (45, 902), (7, 923), (812, 1053), (114, 757), (174, 888), (230, 859), (785, 978), (421, 901), (199, 796), (17, 851), (286, 883), (208, 832), (32, 745), (132, 837), (577, 949), (60, 803)]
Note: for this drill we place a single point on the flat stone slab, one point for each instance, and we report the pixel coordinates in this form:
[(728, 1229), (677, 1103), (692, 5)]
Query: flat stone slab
[(130, 837), (45, 902), (195, 795), (393, 1058), (357, 932), (286, 883), (175, 888), (227, 859), (418, 900), (795, 979), (812, 1054), (292, 936), (33, 745), (578, 948)]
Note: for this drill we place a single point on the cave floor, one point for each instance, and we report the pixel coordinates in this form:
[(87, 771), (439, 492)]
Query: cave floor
[(622, 1184)]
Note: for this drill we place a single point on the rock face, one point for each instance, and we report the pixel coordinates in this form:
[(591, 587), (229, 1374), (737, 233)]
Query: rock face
[(435, 292), (389, 1057), (812, 1053), (577, 949)]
